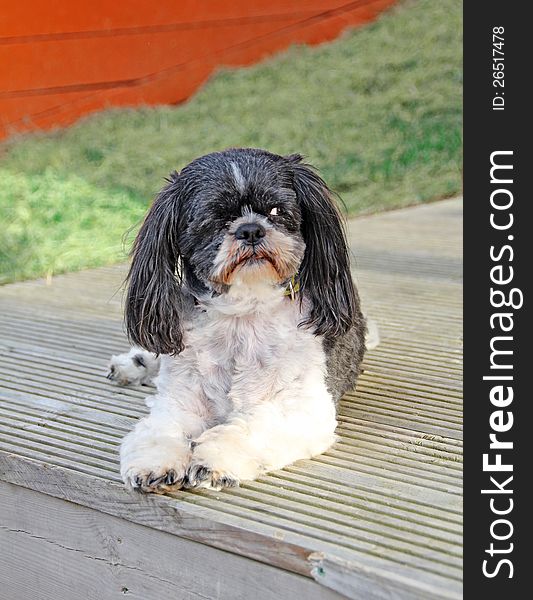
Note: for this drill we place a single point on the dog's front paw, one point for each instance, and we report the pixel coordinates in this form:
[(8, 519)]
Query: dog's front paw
[(219, 460), (152, 464), (158, 481), (199, 475)]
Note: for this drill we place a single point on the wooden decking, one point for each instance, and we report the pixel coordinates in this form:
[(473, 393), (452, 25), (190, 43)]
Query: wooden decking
[(378, 516)]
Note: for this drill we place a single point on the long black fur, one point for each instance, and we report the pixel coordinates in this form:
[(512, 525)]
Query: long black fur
[(325, 271), (155, 302)]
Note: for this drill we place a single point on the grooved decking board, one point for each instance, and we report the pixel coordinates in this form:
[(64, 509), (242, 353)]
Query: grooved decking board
[(378, 515)]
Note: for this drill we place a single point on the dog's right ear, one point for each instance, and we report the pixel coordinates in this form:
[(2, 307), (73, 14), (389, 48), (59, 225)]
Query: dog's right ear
[(155, 301)]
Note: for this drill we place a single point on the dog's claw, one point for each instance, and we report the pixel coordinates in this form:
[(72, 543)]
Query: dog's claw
[(171, 477), (157, 482), (226, 482), (154, 481), (198, 474)]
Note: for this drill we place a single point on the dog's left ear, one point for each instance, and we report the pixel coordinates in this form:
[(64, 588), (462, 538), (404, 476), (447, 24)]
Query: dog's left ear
[(324, 274)]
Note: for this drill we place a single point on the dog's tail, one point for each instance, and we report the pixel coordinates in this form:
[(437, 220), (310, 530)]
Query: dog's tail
[(372, 334)]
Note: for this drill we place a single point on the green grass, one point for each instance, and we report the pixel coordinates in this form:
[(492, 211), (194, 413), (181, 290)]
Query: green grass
[(378, 111)]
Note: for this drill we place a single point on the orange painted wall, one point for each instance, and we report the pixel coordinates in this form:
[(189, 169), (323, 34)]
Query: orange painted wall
[(61, 59)]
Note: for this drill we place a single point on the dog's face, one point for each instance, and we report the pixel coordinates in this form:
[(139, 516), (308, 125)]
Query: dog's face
[(241, 219), (242, 215)]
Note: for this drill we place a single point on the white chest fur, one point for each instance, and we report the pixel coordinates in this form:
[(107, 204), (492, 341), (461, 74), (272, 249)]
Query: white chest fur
[(245, 348)]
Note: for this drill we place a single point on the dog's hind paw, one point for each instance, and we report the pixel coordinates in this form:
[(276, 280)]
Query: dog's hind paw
[(136, 367)]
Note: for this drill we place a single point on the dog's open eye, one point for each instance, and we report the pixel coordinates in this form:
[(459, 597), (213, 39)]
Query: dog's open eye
[(275, 211)]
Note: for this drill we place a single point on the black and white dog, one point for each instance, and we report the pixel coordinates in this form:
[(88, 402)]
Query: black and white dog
[(241, 305)]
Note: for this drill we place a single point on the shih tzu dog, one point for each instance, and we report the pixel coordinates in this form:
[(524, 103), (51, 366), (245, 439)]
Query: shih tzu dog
[(242, 311)]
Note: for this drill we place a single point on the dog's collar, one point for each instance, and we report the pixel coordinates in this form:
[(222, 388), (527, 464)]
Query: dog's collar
[(292, 288)]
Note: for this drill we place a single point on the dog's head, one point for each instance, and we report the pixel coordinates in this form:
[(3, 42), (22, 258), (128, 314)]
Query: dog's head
[(242, 215)]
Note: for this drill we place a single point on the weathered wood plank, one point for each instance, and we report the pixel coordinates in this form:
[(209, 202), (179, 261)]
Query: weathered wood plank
[(71, 551), (266, 542)]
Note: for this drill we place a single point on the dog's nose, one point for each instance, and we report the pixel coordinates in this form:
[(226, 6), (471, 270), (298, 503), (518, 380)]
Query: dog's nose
[(250, 232)]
